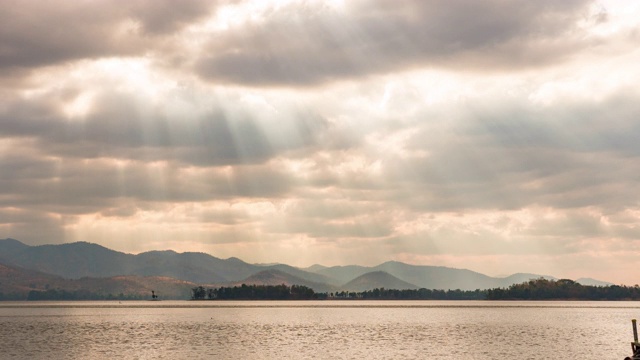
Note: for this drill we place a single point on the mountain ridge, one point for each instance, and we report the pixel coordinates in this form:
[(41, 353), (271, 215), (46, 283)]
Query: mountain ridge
[(18, 283), (84, 259), (377, 279), (279, 277)]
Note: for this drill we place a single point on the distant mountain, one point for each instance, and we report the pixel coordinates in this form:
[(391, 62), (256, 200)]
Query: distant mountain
[(305, 275), (429, 277), (314, 268), (278, 277), (18, 282), (74, 260), (377, 279), (438, 277), (593, 282), (9, 247), (195, 267), (83, 259), (343, 274)]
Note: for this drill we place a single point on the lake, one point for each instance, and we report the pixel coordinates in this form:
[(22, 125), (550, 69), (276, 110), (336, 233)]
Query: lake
[(317, 330)]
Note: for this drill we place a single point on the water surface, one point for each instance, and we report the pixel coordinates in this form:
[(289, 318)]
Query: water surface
[(317, 330)]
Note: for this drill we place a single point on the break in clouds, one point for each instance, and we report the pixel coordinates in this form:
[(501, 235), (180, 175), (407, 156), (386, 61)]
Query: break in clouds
[(498, 136)]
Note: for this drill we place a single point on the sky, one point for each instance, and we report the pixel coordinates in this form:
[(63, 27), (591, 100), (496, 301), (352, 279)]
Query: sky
[(497, 136)]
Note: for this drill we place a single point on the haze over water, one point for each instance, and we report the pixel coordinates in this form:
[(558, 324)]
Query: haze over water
[(317, 330)]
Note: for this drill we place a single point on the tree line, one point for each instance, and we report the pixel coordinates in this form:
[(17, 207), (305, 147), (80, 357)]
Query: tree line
[(564, 289), (299, 292), (538, 289), (255, 292), (421, 294)]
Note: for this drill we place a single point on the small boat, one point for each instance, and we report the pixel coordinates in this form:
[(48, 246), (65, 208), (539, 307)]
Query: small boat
[(154, 297)]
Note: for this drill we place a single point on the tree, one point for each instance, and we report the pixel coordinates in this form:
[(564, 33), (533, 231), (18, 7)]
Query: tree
[(198, 293)]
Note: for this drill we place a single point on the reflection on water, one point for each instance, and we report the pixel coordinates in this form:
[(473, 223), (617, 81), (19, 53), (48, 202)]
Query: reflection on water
[(317, 330)]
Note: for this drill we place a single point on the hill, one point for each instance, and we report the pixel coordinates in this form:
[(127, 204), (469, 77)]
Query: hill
[(278, 277), (343, 274), (593, 282), (71, 261), (14, 280), (429, 277), (9, 247), (16, 284), (379, 280)]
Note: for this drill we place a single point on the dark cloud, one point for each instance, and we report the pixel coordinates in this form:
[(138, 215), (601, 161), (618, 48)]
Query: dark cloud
[(300, 44), (165, 16), (36, 33), (122, 126), (82, 186)]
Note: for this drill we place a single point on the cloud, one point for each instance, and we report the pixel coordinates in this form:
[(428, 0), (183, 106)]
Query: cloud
[(164, 17), (87, 186), (456, 133), (306, 45), (513, 155), (226, 130), (33, 226), (35, 33)]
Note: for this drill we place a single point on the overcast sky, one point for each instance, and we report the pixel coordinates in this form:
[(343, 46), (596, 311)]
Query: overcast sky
[(498, 136)]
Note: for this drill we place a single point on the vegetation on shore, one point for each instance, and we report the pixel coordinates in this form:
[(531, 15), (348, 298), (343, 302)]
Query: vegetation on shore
[(255, 292), (298, 292), (539, 289), (564, 289)]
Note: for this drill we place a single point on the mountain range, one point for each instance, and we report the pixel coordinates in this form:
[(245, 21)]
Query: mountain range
[(79, 261), (16, 283)]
